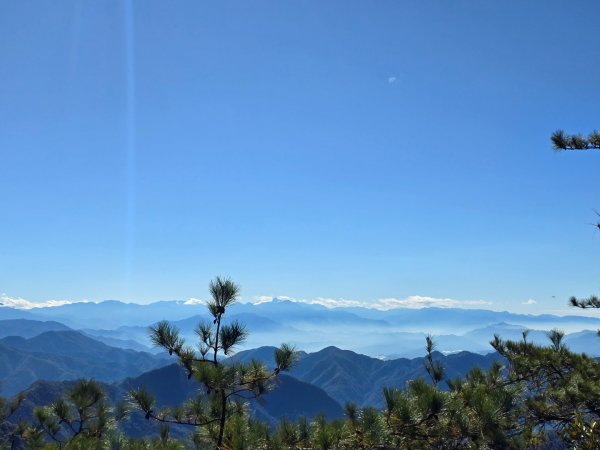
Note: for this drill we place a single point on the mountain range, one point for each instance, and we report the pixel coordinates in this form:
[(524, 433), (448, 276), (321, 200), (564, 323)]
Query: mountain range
[(67, 355), (388, 334), (351, 377), (320, 384), (45, 356)]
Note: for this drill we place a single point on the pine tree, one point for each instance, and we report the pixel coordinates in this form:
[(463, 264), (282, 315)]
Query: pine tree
[(80, 419), (559, 387), (8, 431), (479, 411), (562, 141), (227, 385)]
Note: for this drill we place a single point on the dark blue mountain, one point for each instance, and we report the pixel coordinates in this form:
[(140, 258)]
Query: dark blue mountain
[(350, 377), (66, 355), (290, 398)]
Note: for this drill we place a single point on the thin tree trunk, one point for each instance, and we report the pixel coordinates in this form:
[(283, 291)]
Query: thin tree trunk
[(222, 421), (217, 338)]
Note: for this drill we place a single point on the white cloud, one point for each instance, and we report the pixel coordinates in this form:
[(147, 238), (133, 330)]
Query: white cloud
[(529, 302), (21, 303), (327, 302), (194, 301), (269, 298), (392, 79), (418, 301), (383, 304), (262, 299), (337, 303)]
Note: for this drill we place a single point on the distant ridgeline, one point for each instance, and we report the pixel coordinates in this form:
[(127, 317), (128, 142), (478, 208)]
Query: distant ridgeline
[(383, 334)]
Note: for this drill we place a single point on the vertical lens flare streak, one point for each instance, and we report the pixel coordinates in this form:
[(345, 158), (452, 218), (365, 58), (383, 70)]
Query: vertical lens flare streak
[(131, 142)]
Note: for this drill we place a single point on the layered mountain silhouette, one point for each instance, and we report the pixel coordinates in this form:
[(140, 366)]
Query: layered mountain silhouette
[(28, 328), (67, 355), (351, 377), (392, 334), (320, 384), (331, 375), (290, 398)]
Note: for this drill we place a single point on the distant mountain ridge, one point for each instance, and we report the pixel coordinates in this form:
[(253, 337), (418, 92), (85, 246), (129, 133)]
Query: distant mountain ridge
[(113, 313), (66, 355), (351, 377), (28, 328), (390, 334)]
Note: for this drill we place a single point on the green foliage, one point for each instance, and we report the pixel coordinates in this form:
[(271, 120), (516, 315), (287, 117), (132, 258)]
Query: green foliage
[(9, 432), (9, 406), (562, 141), (590, 302), (434, 368), (582, 433), (481, 411), (542, 392), (559, 386), (573, 390), (165, 335), (82, 416), (327, 435), (231, 335), (366, 428), (286, 357), (219, 409)]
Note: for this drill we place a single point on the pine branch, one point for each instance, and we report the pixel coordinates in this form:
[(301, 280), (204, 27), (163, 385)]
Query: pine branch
[(562, 141), (590, 302)]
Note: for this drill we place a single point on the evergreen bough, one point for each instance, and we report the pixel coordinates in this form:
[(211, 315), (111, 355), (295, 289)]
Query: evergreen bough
[(227, 385)]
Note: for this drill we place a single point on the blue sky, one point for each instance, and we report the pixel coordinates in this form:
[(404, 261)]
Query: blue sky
[(338, 150)]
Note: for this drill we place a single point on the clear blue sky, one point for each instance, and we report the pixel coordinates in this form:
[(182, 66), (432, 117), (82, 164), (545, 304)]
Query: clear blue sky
[(338, 149)]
